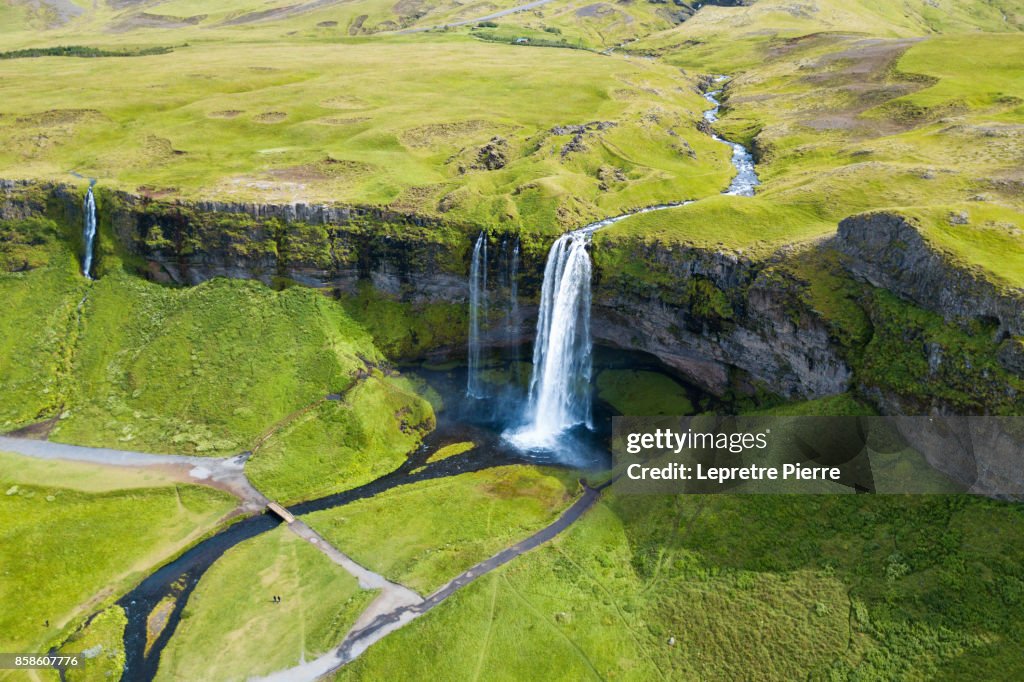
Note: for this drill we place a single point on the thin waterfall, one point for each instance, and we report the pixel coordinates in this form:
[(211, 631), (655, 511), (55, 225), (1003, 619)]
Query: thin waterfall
[(477, 309), (560, 384), (512, 313), (89, 232)]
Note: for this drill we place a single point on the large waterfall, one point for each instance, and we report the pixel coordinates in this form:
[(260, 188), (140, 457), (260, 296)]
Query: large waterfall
[(477, 309), (560, 384), (89, 232)]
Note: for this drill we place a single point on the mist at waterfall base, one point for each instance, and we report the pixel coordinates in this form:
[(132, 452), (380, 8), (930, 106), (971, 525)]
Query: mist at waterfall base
[(542, 409)]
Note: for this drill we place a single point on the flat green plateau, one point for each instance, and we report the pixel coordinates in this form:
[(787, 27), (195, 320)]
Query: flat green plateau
[(304, 121)]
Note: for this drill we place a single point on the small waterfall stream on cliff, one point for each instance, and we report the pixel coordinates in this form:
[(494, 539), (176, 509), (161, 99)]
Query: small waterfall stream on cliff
[(477, 308), (559, 396), (89, 232), (512, 312)]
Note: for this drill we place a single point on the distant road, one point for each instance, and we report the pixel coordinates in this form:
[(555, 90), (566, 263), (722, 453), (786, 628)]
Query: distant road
[(486, 17)]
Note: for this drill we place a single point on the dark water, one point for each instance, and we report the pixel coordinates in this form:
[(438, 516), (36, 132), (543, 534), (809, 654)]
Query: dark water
[(480, 420)]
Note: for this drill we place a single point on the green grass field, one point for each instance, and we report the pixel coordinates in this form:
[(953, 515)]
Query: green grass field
[(759, 587), (231, 629), (339, 445), (423, 535), (74, 536), (305, 120)]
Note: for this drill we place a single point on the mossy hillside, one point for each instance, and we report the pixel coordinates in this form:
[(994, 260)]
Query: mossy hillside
[(985, 238), (825, 586), (41, 289), (744, 37), (233, 602), (200, 370), (423, 535), (71, 544), (916, 356), (341, 444), (406, 330)]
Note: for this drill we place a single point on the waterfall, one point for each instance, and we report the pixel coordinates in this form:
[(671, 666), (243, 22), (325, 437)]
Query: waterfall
[(89, 232), (512, 314), (560, 384), (477, 307)]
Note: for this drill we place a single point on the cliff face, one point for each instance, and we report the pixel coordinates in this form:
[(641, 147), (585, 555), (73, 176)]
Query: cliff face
[(720, 320), (727, 322), (709, 313), (888, 251)]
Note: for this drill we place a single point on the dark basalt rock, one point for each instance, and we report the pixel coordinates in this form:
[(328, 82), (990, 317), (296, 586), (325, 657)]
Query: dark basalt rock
[(889, 251), (718, 313)]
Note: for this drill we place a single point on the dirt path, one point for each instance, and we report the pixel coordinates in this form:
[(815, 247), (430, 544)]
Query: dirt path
[(226, 473), (363, 634)]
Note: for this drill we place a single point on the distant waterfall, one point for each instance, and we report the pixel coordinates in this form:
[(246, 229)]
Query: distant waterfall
[(512, 313), (477, 309), (89, 232), (560, 384)]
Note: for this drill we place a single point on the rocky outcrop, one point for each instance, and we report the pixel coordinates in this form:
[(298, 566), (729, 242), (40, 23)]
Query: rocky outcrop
[(709, 313), (20, 199), (888, 250)]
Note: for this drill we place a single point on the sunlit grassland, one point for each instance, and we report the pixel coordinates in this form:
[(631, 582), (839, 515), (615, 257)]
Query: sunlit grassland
[(978, 235), (71, 543), (308, 121), (739, 38), (844, 125), (423, 535), (231, 629), (727, 586), (341, 444)]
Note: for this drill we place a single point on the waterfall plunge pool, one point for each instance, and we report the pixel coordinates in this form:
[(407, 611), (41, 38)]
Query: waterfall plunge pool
[(621, 383)]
